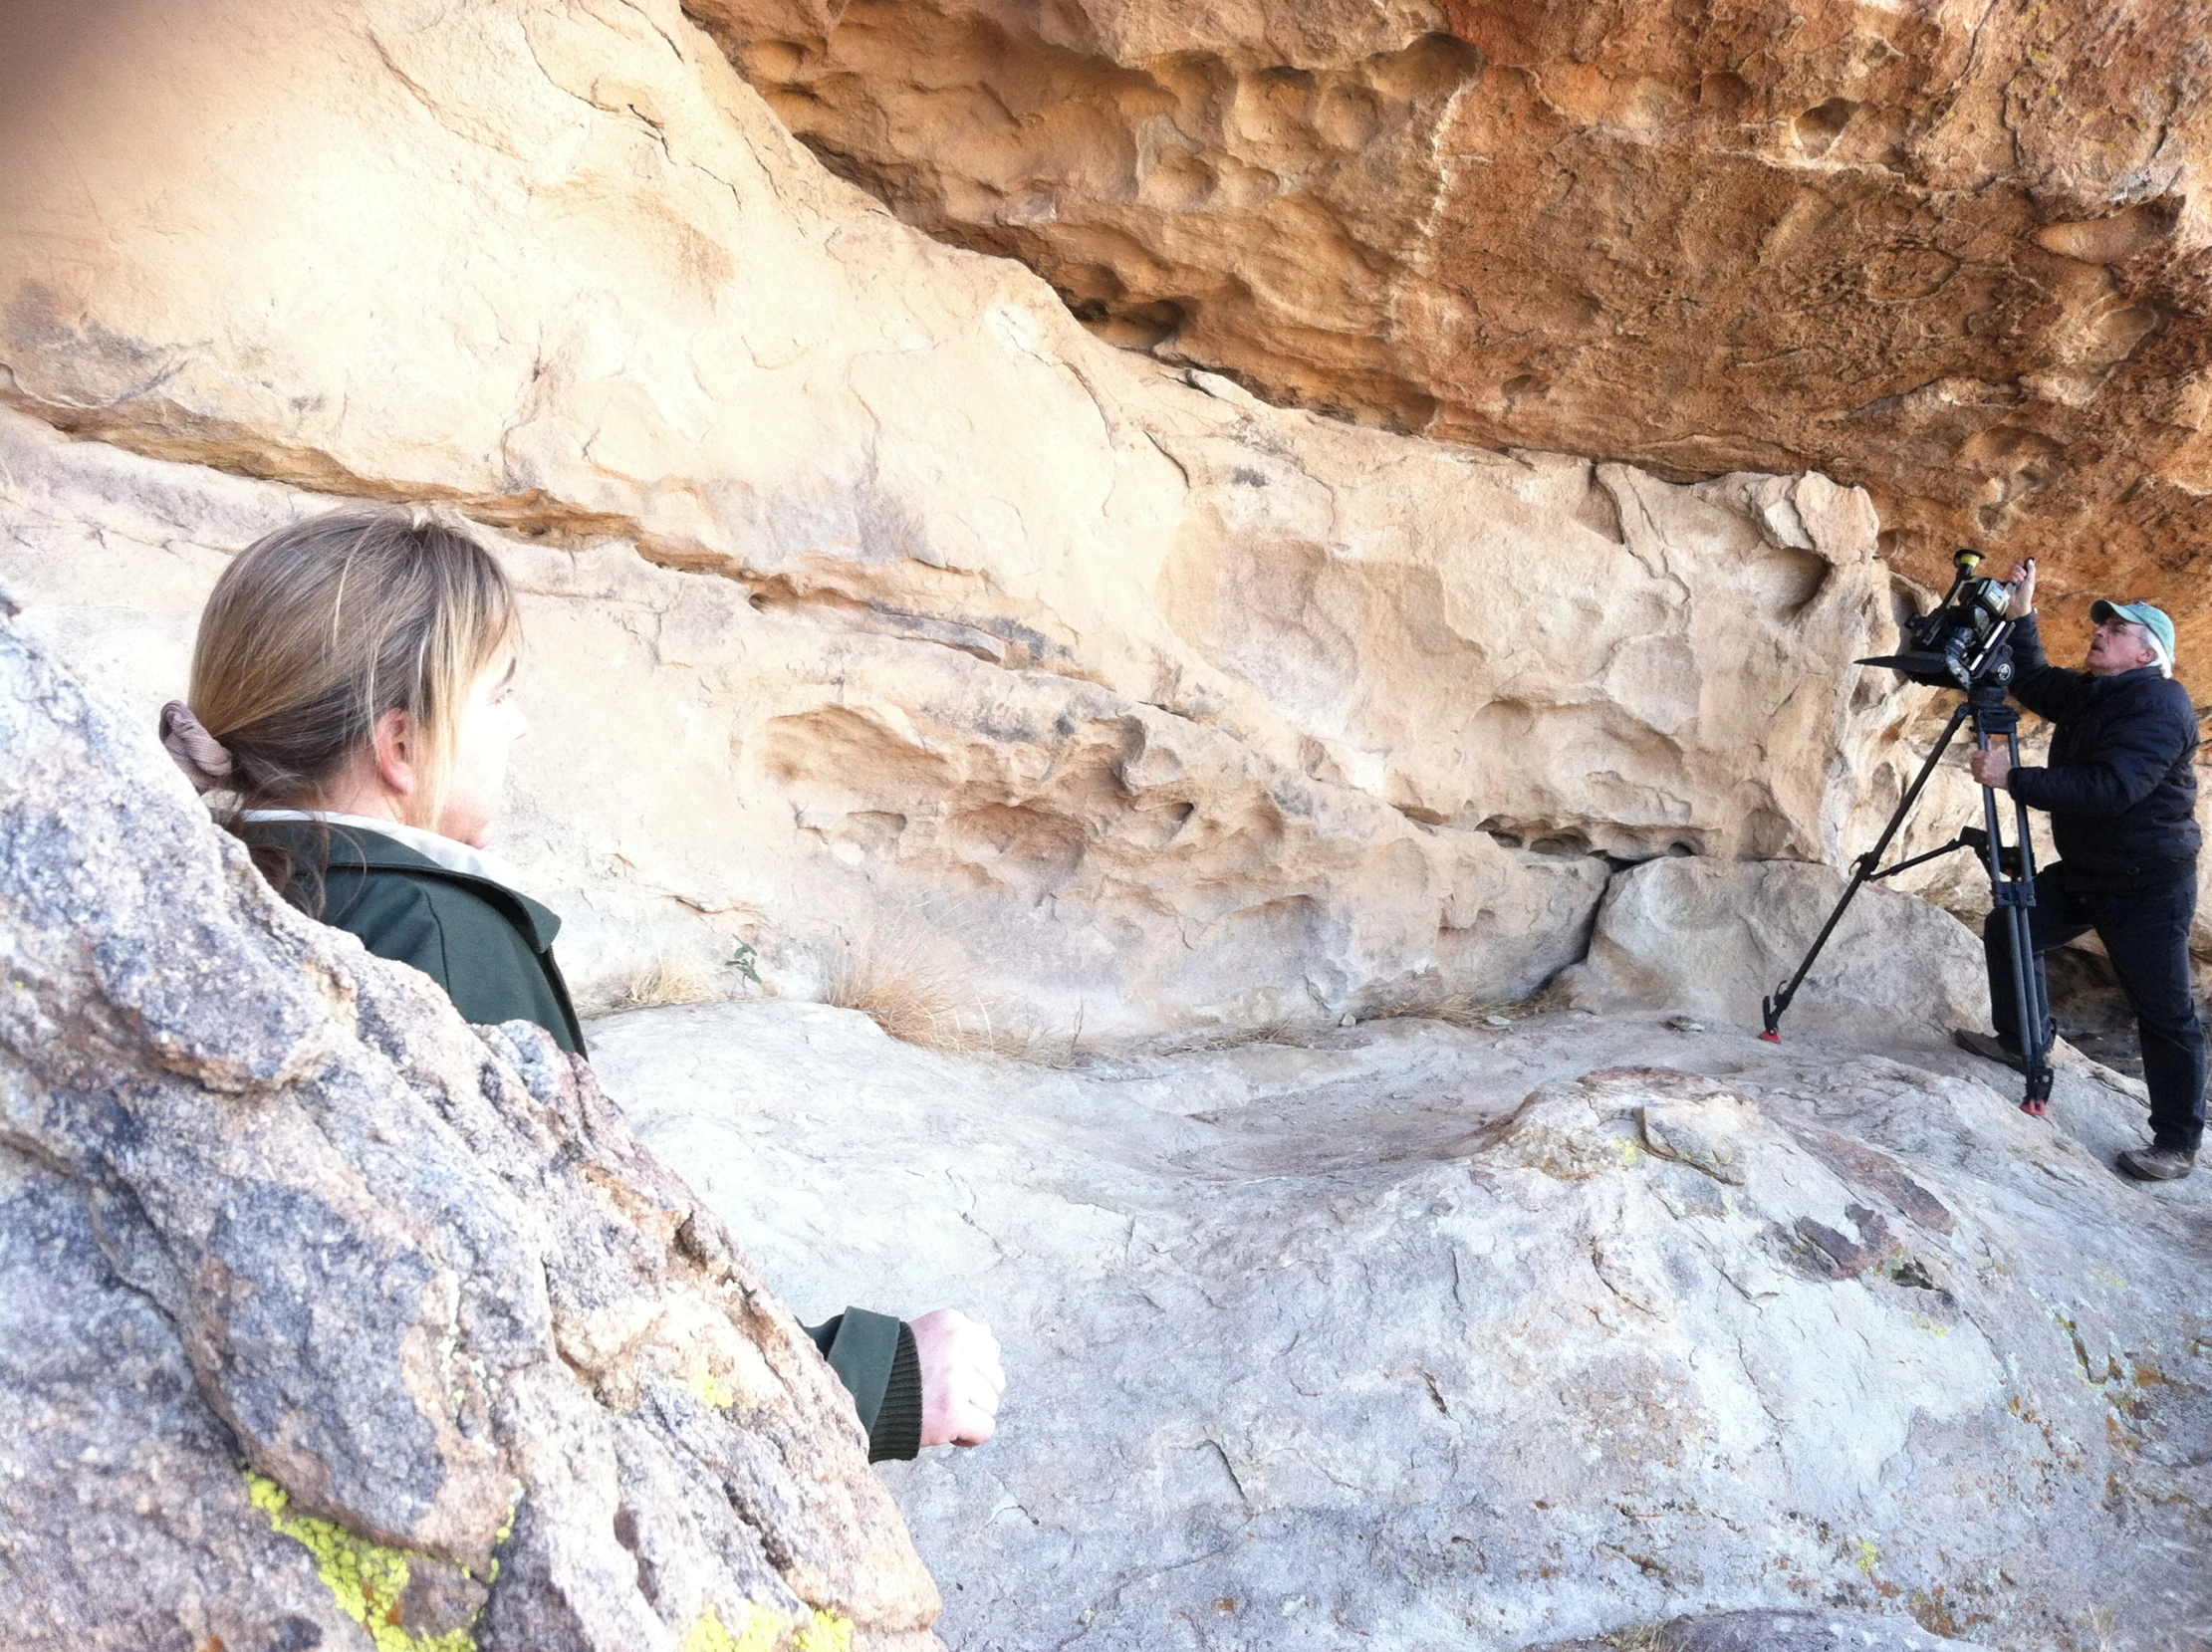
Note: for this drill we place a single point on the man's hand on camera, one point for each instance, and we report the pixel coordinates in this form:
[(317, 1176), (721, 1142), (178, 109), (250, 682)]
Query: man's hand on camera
[(960, 1378), (2023, 589), (1990, 767)]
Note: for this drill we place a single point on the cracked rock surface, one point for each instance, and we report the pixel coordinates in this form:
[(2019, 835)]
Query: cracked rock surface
[(303, 1282), (1433, 1336)]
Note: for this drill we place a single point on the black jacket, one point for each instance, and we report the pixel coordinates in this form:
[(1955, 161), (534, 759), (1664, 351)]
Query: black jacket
[(491, 949), (2122, 785)]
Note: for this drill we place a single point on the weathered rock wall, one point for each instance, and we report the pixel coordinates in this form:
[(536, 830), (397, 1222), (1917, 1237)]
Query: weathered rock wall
[(1955, 254), (882, 617), (322, 1316)]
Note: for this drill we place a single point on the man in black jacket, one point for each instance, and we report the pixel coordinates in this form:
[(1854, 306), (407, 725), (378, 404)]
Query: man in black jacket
[(2122, 791)]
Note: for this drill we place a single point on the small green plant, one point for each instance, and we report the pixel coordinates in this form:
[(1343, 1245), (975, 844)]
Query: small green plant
[(746, 961)]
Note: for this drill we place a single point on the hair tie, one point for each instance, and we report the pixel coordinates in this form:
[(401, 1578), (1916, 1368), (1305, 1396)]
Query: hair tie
[(204, 758)]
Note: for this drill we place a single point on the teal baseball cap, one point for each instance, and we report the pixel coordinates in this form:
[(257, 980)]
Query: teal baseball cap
[(2151, 620)]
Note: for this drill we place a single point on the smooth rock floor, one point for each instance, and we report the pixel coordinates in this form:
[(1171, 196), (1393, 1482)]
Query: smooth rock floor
[(1413, 1336)]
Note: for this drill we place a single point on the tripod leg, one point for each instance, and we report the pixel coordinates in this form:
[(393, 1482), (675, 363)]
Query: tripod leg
[(2016, 898), (2036, 1031), (1863, 868), (2028, 1005)]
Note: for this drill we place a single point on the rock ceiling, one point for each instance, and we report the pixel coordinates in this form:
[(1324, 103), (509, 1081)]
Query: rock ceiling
[(1952, 252)]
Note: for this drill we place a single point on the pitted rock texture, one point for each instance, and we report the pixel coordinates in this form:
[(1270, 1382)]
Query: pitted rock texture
[(282, 1241), (882, 618), (1955, 254), (1411, 1335)]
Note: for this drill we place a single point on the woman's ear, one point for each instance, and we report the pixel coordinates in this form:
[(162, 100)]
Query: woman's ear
[(394, 742)]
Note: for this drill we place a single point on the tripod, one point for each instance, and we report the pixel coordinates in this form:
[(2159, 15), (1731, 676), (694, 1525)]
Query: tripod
[(2012, 874)]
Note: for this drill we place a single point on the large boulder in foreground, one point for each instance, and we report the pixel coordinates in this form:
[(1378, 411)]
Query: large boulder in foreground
[(325, 1319), (1413, 1336)]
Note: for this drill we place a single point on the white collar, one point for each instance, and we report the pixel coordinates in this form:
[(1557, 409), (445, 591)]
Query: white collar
[(452, 854)]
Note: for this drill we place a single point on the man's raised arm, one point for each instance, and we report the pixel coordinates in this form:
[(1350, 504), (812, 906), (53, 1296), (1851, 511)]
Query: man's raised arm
[(2049, 691)]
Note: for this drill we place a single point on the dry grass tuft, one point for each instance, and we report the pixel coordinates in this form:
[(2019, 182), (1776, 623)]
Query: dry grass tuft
[(913, 1004), (905, 977), (1465, 1008), (1236, 1038), (671, 978)]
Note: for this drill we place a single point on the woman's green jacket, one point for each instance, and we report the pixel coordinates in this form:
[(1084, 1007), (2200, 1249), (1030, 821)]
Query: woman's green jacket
[(488, 946), (491, 949)]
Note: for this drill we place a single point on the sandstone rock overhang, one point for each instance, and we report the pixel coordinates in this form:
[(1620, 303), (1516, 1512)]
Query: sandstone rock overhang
[(884, 610), (1953, 254)]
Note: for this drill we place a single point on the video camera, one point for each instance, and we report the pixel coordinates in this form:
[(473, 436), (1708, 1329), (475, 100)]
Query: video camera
[(1958, 643)]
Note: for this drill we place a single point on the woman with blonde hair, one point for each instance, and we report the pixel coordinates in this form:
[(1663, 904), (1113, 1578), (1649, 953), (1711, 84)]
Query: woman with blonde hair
[(351, 696)]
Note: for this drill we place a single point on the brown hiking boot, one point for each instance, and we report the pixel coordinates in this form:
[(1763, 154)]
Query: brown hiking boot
[(1990, 1048), (2159, 1165)]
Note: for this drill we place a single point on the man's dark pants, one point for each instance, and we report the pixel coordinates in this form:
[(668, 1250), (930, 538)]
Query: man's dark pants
[(2145, 932)]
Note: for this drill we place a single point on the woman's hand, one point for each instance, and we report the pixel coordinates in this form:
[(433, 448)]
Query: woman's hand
[(2023, 589), (960, 1378)]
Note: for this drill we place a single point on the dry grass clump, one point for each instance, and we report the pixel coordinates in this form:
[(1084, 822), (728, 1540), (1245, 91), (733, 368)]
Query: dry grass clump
[(905, 977), (1235, 1037), (670, 978), (913, 1003), (1465, 1008)]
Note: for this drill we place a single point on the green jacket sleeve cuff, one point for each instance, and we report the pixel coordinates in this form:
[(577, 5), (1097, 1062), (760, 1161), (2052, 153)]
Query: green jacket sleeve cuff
[(897, 1430), (874, 1358)]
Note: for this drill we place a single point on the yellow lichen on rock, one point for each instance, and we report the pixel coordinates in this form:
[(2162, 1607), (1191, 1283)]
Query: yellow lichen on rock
[(366, 1579), (827, 1633), (695, 1341), (701, 1381), (764, 1630)]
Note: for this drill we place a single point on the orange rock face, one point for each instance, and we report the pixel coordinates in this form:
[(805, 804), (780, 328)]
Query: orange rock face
[(1954, 253)]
